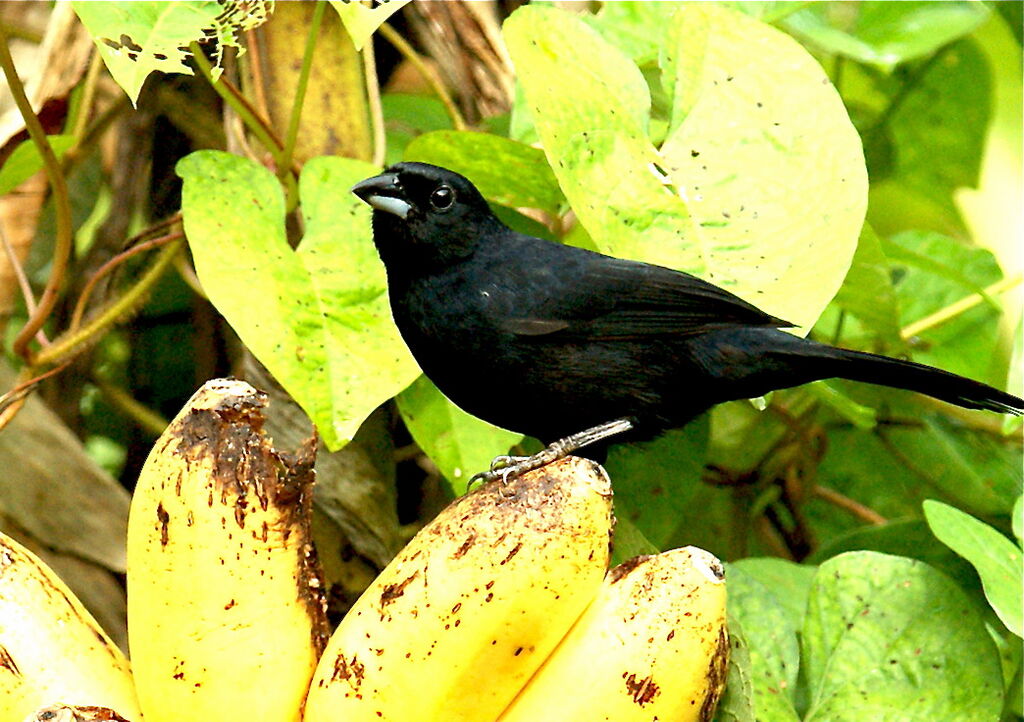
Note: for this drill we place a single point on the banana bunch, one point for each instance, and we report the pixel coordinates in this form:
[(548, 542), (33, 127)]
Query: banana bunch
[(498, 609), (651, 646), (458, 622), (52, 651), (225, 611)]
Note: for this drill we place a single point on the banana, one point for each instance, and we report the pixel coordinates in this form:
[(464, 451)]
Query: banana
[(51, 649), (469, 609), (652, 646), (225, 610)]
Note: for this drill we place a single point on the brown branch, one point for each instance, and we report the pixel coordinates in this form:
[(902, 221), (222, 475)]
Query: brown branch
[(62, 204), (862, 512)]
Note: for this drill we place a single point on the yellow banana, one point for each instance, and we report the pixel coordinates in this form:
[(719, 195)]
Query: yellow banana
[(461, 618), (651, 646), (51, 649), (225, 610)]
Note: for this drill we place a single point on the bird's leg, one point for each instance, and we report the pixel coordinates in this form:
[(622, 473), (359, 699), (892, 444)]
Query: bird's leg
[(509, 467)]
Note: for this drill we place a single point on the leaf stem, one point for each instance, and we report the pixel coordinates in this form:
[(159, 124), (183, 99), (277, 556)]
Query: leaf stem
[(913, 78), (380, 145), (955, 309), (428, 73), (145, 417), (231, 95), (84, 105), (110, 265), (61, 202), (68, 344), (854, 507), (285, 161)]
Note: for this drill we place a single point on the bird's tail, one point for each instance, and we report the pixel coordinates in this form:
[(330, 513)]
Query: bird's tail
[(821, 362)]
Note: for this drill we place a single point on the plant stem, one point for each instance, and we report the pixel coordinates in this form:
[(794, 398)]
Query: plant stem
[(68, 344), (955, 309), (145, 417), (84, 105), (106, 268), (61, 202), (380, 146), (237, 102), (428, 73), (864, 513), (284, 166)]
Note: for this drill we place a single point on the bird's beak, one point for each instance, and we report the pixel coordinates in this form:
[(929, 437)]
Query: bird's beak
[(384, 193)]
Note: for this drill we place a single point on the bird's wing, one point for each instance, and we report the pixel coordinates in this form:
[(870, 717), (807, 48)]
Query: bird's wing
[(601, 297)]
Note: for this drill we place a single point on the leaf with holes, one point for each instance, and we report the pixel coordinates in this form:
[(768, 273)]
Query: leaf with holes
[(316, 317), (137, 38)]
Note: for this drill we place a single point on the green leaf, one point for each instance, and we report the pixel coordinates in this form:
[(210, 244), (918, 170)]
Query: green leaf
[(636, 28), (888, 638), (460, 444), (905, 538), (590, 105), (137, 38), (861, 416), (654, 481), (996, 558), (790, 583), (25, 161), (890, 469), (772, 638), (408, 116), (964, 344), (885, 33), (767, 11), (1015, 377), (766, 132), (737, 703), (867, 291), (505, 171), (316, 317), (628, 541), (939, 128), (737, 174), (362, 21), (1017, 519)]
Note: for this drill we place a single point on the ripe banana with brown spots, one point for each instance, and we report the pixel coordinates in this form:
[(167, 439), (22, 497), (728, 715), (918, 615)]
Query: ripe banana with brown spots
[(470, 608), (51, 649), (225, 609), (652, 646)]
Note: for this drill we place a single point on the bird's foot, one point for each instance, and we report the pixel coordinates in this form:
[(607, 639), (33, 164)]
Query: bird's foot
[(511, 467)]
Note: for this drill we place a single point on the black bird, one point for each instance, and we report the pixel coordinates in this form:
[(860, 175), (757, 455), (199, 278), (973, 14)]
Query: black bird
[(572, 346)]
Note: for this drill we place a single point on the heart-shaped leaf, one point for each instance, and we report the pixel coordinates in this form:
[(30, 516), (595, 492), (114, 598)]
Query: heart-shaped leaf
[(317, 317), (761, 185)]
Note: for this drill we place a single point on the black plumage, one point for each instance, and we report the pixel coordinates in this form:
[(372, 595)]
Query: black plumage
[(548, 340)]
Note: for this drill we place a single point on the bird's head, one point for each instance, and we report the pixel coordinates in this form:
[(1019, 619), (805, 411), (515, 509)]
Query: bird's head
[(424, 214)]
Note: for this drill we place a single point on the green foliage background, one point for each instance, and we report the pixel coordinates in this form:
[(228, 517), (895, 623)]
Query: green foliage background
[(840, 164)]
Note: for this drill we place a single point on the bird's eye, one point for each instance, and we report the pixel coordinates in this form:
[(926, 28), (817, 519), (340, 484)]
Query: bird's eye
[(442, 198)]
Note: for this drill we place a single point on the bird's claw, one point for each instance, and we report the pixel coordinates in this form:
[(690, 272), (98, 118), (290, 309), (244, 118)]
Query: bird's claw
[(505, 461), (502, 467)]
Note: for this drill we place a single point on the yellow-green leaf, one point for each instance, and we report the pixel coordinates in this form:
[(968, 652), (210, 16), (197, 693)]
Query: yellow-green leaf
[(362, 21), (137, 38), (317, 317)]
